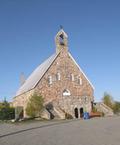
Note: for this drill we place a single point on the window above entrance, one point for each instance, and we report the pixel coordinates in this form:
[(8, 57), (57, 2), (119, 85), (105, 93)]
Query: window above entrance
[(66, 92)]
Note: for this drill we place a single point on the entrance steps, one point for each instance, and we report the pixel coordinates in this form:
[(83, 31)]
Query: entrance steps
[(59, 112), (55, 112), (101, 107)]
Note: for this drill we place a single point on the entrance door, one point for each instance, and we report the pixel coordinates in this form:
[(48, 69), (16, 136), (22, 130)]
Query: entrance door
[(76, 112), (81, 112)]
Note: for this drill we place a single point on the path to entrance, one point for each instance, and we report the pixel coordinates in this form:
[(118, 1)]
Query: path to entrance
[(102, 131)]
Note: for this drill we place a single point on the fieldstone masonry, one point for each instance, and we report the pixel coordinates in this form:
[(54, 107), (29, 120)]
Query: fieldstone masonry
[(72, 90)]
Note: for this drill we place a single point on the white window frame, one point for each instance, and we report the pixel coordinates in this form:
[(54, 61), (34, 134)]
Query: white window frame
[(58, 76), (80, 81), (50, 80)]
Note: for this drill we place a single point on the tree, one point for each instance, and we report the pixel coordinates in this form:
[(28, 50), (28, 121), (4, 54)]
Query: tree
[(35, 106), (108, 100), (5, 103), (116, 107), (6, 112)]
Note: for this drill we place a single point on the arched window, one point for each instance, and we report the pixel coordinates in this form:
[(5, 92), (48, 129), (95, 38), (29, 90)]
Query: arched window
[(50, 80), (58, 76), (66, 92)]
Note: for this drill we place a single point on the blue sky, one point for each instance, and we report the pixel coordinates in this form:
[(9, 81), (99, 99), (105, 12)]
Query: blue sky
[(28, 28)]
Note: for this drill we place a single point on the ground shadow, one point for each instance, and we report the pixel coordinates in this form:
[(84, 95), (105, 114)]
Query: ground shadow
[(33, 128)]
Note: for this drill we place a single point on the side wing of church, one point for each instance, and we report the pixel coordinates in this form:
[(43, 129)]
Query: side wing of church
[(61, 82)]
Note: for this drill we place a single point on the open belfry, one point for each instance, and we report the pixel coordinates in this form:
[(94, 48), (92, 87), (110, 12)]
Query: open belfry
[(61, 82)]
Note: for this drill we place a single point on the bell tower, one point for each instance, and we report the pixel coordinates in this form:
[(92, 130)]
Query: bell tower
[(61, 41)]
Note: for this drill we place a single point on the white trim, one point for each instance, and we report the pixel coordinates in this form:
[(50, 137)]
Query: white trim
[(81, 70), (80, 81), (50, 80)]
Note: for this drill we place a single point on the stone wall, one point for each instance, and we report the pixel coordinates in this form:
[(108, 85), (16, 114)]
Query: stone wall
[(54, 92), (81, 94), (22, 100)]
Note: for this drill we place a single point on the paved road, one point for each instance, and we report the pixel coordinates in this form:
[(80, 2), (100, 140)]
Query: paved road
[(102, 131)]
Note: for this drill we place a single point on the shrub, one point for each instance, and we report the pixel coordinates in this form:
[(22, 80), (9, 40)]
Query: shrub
[(6, 112), (35, 106), (116, 107), (108, 100)]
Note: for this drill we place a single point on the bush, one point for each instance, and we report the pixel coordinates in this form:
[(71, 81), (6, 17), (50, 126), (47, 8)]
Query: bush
[(35, 106), (6, 112), (108, 100), (116, 107)]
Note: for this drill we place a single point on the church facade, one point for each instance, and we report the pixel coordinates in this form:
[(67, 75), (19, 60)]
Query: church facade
[(61, 82)]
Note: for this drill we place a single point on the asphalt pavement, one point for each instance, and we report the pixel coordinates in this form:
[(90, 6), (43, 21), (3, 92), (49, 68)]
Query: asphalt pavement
[(97, 131)]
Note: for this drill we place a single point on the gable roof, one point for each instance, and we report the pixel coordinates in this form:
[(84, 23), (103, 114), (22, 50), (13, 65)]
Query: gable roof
[(38, 73)]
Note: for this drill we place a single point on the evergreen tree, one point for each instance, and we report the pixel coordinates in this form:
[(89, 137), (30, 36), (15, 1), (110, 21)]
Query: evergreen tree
[(35, 106)]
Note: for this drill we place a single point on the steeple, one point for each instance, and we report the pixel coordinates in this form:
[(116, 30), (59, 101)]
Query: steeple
[(61, 40)]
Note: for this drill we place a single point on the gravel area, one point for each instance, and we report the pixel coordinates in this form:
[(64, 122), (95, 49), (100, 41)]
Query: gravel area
[(97, 131)]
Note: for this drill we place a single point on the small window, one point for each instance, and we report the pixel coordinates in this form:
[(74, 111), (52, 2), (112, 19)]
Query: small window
[(58, 76), (80, 81), (72, 77), (50, 80)]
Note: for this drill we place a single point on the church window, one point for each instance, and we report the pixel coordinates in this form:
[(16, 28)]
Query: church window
[(58, 76), (50, 80), (80, 81), (66, 92), (72, 77)]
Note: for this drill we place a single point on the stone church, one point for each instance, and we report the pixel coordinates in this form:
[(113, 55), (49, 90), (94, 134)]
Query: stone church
[(61, 82)]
